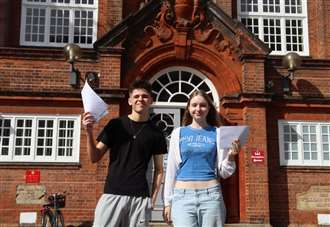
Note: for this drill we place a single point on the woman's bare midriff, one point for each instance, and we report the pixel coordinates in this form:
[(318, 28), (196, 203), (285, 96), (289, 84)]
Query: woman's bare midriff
[(196, 184)]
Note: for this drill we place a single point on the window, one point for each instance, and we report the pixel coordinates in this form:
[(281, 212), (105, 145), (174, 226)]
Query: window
[(173, 86), (281, 24), (26, 138), (58, 22), (304, 143)]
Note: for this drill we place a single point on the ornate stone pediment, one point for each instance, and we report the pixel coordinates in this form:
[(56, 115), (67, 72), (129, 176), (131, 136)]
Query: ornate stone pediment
[(166, 21), (185, 32), (177, 30), (184, 23)]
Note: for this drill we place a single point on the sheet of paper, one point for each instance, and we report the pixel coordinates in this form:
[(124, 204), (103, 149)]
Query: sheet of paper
[(228, 134), (93, 103)]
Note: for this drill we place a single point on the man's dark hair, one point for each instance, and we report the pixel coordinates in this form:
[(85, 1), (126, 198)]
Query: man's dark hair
[(140, 84)]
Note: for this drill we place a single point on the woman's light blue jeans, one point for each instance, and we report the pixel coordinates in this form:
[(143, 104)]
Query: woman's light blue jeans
[(198, 207)]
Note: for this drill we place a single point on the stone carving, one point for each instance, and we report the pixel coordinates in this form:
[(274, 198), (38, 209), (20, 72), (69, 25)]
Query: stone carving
[(162, 23), (188, 16), (208, 34)]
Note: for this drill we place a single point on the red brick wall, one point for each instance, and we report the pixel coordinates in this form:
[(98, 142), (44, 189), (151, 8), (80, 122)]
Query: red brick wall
[(131, 6), (253, 80), (14, 22), (3, 19), (254, 177), (310, 80), (319, 28), (83, 183), (285, 182), (110, 14), (253, 185), (37, 75), (48, 73), (227, 6)]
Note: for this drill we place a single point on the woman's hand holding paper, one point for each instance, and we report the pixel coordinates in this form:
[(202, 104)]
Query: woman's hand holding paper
[(234, 150)]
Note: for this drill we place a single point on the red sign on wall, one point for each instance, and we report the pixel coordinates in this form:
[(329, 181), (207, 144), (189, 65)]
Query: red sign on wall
[(32, 176), (257, 156)]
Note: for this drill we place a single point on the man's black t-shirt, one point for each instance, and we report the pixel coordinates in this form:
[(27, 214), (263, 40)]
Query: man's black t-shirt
[(132, 145)]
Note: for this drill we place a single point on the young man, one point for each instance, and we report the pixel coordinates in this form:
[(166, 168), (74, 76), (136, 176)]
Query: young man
[(132, 140)]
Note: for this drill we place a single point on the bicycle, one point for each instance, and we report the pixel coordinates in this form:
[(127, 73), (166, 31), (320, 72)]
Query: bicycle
[(54, 218)]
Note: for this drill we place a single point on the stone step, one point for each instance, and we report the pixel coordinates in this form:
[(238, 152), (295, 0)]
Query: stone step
[(162, 224), (152, 224)]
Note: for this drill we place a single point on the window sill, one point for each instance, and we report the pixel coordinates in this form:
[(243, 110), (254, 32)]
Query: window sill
[(306, 169), (46, 165)]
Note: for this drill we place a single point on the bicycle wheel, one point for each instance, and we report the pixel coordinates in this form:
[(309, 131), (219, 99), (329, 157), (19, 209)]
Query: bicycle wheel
[(59, 220), (46, 220)]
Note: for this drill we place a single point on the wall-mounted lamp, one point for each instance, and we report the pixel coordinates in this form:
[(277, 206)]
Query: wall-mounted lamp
[(93, 79), (291, 61), (72, 54)]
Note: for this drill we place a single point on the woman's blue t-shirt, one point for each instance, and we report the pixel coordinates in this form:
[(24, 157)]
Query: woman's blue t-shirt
[(198, 152)]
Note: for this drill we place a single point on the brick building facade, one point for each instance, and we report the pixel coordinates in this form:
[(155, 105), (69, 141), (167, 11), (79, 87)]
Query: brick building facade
[(179, 46)]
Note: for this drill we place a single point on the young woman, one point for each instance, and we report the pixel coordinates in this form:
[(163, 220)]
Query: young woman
[(192, 193)]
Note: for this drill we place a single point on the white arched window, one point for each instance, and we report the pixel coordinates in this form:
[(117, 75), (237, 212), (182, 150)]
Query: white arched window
[(173, 86), (171, 89)]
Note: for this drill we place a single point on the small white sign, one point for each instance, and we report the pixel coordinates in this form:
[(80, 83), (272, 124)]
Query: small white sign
[(323, 219), (28, 217)]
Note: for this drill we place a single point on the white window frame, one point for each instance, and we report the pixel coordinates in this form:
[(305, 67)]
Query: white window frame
[(194, 73), (319, 148), (282, 16), (48, 6), (32, 157)]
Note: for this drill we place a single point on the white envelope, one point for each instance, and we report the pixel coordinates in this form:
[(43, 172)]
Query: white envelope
[(93, 103), (228, 134)]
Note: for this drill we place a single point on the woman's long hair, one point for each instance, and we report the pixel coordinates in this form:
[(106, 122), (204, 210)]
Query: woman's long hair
[(212, 117)]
